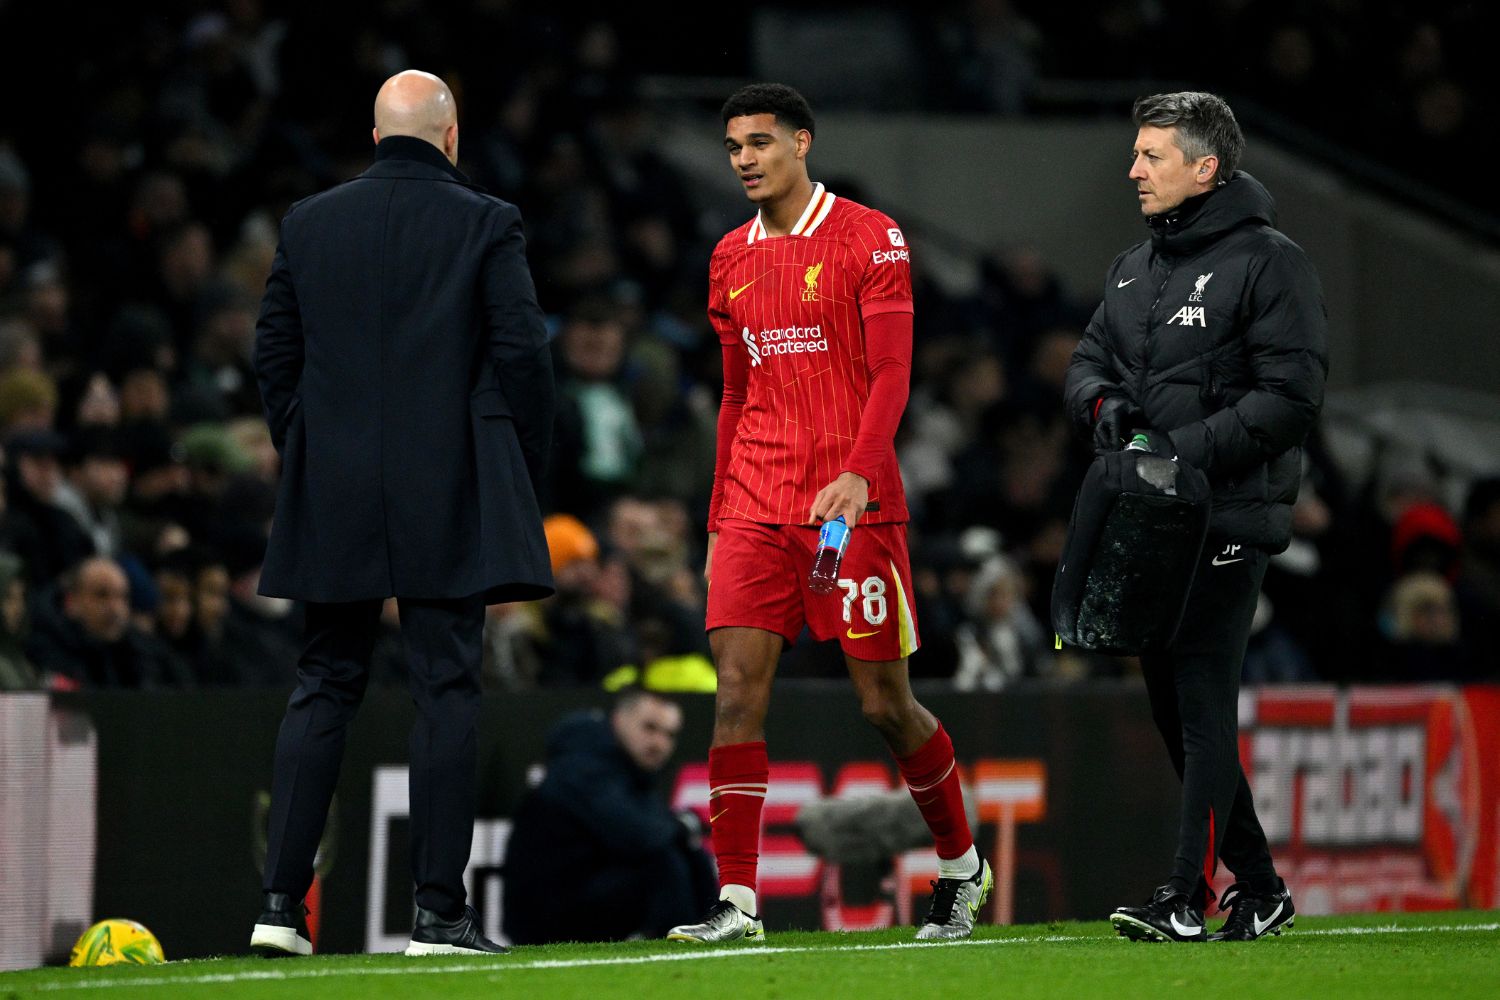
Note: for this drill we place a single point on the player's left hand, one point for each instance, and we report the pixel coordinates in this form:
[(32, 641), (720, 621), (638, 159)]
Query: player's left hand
[(846, 495)]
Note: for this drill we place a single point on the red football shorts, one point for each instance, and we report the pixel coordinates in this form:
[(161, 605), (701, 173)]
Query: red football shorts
[(759, 580)]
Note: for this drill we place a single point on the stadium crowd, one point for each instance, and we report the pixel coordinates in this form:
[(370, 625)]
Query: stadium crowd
[(139, 477)]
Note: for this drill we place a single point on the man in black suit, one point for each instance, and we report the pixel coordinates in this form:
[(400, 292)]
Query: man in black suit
[(402, 363)]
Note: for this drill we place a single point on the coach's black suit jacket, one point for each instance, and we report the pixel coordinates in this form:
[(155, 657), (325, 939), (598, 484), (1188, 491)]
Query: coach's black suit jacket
[(402, 362)]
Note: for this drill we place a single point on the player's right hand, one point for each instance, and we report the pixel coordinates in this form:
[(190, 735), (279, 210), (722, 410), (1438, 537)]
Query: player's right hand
[(708, 562)]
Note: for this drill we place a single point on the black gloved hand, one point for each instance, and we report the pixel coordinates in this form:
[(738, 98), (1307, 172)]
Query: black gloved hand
[(1113, 420), (1153, 442), (694, 829)]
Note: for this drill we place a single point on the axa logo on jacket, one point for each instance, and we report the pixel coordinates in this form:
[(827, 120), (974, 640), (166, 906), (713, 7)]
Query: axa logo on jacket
[(1188, 316)]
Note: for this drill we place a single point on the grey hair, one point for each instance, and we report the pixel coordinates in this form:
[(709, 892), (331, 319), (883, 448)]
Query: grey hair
[(1204, 122)]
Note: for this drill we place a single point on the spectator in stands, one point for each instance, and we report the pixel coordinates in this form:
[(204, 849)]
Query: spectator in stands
[(578, 636), (20, 346), (16, 671), (597, 443), (666, 590), (1002, 642), (1421, 631), (595, 853), (97, 402), (83, 637), (218, 371), (261, 634), (46, 537), (28, 401), (176, 608), (1425, 538), (96, 483), (18, 231)]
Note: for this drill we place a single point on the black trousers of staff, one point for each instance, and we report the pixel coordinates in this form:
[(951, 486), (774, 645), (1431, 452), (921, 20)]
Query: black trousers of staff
[(1194, 689), (443, 644)]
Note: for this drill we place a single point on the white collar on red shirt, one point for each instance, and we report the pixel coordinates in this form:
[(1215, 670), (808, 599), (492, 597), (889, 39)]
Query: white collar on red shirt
[(818, 207)]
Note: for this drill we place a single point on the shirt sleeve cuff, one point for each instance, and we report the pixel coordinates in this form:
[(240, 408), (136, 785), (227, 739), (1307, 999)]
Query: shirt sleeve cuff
[(868, 309)]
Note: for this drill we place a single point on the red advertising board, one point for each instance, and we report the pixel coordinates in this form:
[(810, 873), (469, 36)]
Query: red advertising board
[(1377, 798)]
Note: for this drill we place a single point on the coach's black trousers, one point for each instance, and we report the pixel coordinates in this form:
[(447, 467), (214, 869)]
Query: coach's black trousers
[(1194, 689), (442, 641)]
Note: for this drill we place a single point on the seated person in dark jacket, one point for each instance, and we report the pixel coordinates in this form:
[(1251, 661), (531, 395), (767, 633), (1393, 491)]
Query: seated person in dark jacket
[(596, 854), (83, 636)]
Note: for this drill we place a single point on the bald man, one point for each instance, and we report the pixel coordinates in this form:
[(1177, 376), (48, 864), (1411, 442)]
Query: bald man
[(403, 366)]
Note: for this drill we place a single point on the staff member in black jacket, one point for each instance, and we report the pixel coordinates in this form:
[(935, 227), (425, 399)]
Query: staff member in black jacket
[(402, 361), (1211, 342)]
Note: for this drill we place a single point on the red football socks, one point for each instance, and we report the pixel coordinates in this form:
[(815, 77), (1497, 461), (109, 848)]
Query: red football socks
[(737, 776), (931, 775)]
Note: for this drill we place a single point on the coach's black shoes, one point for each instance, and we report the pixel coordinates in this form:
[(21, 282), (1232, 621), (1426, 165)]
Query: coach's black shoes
[(1254, 914), (1170, 916), (281, 929), (461, 936)]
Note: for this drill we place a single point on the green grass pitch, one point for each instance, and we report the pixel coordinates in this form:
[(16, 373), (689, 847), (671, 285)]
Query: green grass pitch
[(1447, 955)]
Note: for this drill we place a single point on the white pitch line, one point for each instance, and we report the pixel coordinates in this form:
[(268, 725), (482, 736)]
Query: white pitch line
[(500, 965)]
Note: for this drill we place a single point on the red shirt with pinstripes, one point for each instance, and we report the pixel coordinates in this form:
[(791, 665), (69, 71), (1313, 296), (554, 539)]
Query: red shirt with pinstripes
[(796, 305)]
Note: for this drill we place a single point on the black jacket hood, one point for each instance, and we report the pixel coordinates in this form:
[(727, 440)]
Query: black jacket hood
[(1200, 221)]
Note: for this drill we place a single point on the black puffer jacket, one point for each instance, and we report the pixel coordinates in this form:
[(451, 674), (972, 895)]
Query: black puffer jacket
[(1215, 328)]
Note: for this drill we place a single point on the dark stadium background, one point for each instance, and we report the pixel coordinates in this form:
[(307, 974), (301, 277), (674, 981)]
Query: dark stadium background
[(147, 152)]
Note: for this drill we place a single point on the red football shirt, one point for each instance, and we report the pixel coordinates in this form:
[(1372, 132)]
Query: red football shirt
[(796, 305)]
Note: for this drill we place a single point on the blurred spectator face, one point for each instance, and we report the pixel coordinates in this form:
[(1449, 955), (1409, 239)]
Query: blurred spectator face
[(578, 576), (100, 601), (187, 260), (144, 395), (174, 615), (40, 473), (980, 383), (28, 401), (99, 406), (1424, 610), (652, 240), (20, 346), (46, 299), (633, 525), (647, 728), (1164, 178), (594, 349), (1053, 355), (228, 335), (213, 598), (160, 203), (104, 480), (644, 533), (1029, 275)]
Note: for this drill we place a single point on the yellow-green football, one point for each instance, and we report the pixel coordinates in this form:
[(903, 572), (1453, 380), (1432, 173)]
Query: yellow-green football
[(117, 942)]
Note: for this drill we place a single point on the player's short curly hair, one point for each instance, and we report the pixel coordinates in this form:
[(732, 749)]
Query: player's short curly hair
[(790, 108), (1204, 122)]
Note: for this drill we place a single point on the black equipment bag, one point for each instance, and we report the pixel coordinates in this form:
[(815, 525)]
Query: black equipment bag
[(1133, 545)]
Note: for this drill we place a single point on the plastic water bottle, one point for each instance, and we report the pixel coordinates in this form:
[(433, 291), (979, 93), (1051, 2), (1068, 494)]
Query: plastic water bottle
[(833, 539)]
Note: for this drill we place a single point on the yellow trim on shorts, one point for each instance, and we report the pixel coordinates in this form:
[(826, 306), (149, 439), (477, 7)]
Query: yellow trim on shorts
[(905, 626)]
